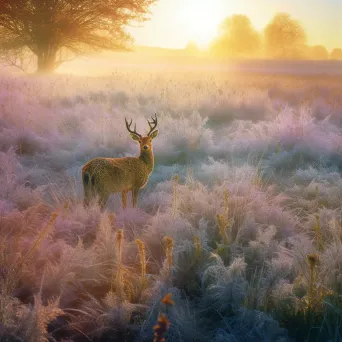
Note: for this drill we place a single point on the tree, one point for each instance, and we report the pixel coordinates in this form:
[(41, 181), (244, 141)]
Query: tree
[(318, 52), (55, 30), (284, 38), (192, 48), (336, 54), (237, 38)]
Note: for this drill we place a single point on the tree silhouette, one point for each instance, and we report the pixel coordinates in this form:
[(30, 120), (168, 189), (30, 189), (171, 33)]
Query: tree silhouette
[(237, 38), (284, 37), (192, 48), (318, 52), (336, 54), (54, 30)]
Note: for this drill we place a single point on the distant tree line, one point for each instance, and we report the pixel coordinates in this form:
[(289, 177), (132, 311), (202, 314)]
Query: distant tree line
[(46, 33), (282, 38)]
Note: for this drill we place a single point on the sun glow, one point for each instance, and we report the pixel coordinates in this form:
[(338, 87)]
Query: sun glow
[(200, 20), (176, 22)]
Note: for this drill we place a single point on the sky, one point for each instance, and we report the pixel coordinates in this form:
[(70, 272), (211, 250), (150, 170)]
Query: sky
[(176, 22)]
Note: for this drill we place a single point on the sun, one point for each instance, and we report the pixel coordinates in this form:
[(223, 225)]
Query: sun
[(200, 19)]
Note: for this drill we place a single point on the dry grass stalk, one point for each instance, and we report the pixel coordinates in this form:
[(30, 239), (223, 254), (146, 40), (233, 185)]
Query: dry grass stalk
[(142, 257), (42, 235), (119, 282), (223, 221), (169, 244), (318, 233)]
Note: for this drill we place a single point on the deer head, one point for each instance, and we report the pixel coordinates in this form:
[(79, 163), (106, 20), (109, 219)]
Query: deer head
[(146, 141)]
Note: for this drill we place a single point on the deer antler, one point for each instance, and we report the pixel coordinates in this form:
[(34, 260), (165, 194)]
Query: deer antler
[(128, 125), (152, 124)]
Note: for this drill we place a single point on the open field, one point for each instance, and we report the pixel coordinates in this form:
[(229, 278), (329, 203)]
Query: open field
[(155, 59), (254, 219)]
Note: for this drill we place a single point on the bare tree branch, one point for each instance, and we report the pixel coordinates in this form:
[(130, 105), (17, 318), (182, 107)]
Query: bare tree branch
[(19, 59)]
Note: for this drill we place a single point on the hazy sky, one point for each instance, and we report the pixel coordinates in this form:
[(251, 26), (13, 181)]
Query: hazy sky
[(175, 22)]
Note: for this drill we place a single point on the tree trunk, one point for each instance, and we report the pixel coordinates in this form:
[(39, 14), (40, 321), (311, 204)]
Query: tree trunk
[(46, 61)]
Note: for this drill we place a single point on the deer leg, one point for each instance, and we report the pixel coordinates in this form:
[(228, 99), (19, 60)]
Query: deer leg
[(86, 200), (89, 196), (88, 190), (124, 199), (103, 200), (135, 193)]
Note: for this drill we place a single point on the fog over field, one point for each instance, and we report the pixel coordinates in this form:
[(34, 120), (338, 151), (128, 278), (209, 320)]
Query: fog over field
[(254, 216), (163, 60)]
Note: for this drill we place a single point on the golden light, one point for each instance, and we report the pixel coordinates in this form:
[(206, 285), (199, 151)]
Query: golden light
[(199, 20)]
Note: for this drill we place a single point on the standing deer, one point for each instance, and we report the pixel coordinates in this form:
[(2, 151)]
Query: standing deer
[(103, 176)]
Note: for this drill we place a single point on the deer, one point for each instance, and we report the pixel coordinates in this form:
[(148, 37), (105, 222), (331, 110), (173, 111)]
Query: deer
[(104, 176)]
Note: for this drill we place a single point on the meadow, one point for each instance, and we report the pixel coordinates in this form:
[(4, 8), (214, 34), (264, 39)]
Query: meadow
[(240, 221)]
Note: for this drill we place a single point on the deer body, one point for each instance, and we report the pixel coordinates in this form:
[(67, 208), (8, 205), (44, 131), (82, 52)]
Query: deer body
[(103, 176)]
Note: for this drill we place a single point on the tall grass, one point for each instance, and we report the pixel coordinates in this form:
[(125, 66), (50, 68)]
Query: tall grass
[(246, 237)]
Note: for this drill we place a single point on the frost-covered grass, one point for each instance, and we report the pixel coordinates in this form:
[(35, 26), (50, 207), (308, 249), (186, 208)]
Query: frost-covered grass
[(254, 219)]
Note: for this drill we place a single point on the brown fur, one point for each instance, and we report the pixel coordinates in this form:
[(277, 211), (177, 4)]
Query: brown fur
[(104, 176)]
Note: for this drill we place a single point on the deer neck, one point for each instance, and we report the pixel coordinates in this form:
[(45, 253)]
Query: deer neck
[(148, 158)]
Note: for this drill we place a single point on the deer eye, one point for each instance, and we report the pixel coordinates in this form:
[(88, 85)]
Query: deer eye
[(139, 141)]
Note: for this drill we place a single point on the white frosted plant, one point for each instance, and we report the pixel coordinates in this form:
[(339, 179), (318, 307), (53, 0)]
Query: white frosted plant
[(225, 285), (331, 264), (269, 145)]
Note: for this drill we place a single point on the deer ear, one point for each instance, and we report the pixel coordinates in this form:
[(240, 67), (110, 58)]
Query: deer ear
[(135, 137), (154, 134)]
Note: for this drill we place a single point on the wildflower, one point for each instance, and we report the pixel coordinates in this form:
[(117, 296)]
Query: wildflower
[(161, 328), (167, 300)]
